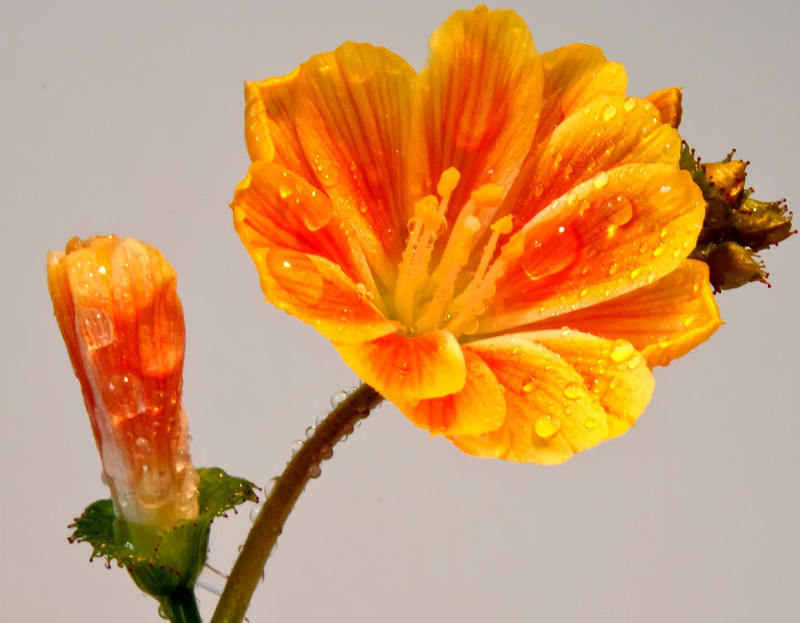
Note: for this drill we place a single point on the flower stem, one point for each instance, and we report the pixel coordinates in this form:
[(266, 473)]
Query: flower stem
[(304, 465), (181, 606)]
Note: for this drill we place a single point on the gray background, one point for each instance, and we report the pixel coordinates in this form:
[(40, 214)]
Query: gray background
[(127, 118)]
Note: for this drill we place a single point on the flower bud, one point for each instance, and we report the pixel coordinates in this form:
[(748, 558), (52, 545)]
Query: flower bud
[(116, 304)]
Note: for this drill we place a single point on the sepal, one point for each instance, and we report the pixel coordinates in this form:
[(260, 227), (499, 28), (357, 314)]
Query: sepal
[(162, 559)]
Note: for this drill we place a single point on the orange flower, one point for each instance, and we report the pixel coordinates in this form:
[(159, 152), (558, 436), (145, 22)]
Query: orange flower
[(497, 244), (119, 314)]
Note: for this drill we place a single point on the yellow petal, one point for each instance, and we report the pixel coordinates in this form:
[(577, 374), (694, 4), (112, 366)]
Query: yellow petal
[(274, 208), (428, 366), (477, 408), (613, 371), (271, 127), (316, 291), (476, 103), (574, 75), (353, 109), (668, 102), (607, 132), (550, 412), (664, 320), (615, 233)]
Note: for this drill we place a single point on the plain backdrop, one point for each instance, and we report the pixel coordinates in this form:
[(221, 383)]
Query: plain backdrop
[(126, 118)]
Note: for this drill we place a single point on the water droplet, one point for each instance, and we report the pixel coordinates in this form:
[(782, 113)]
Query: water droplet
[(470, 326), (635, 361), (613, 269), (590, 423), (572, 391), (629, 104), (636, 272), (609, 112), (153, 487), (255, 511), (529, 386), (688, 320), (314, 471), (95, 327), (124, 395), (659, 250), (310, 432), (546, 426), (538, 190), (617, 210), (600, 180), (325, 453), (296, 445), (665, 188), (296, 273), (142, 448), (555, 253), (104, 478), (565, 331), (338, 397), (621, 350)]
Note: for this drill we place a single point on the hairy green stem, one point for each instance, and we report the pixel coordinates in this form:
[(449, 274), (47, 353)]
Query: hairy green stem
[(304, 465), (181, 607)]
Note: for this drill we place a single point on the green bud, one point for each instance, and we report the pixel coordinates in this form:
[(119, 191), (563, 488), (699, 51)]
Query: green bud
[(735, 226)]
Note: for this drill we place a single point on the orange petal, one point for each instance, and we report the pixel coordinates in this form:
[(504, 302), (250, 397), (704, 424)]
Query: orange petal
[(270, 126), (353, 109), (550, 412), (274, 208), (613, 372), (476, 103), (575, 75), (477, 408), (668, 102), (664, 320), (618, 232), (607, 132), (428, 366), (316, 291)]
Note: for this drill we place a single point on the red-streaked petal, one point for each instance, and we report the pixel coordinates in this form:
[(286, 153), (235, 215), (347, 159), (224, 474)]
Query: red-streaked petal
[(428, 366), (274, 208), (574, 75), (270, 127), (479, 407), (668, 102), (353, 112), (550, 412), (316, 291), (618, 232), (476, 103), (609, 131), (613, 372), (664, 320)]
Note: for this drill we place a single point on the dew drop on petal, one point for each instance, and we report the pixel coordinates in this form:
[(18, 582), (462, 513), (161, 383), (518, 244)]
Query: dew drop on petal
[(296, 273), (600, 180), (609, 112), (590, 423), (572, 391), (616, 210), (635, 361), (153, 487), (546, 426), (124, 395), (95, 327), (529, 386), (555, 253), (629, 104), (621, 350)]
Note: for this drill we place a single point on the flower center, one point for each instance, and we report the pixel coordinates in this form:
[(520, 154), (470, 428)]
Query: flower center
[(434, 291)]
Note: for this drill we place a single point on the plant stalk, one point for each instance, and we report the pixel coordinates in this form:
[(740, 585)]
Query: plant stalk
[(305, 465)]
